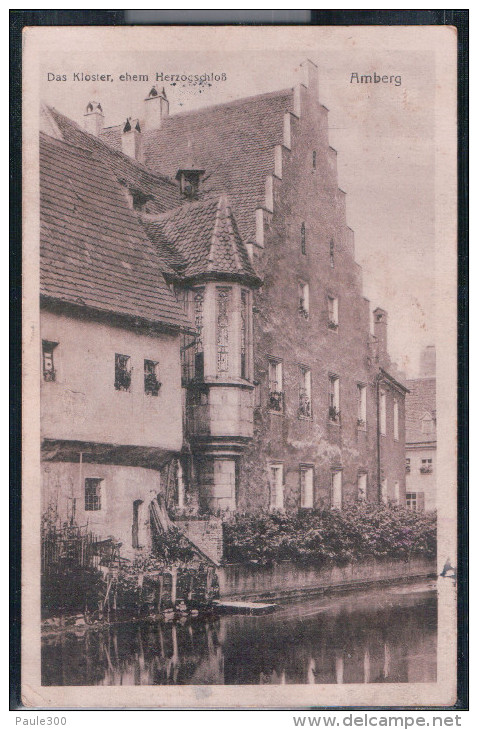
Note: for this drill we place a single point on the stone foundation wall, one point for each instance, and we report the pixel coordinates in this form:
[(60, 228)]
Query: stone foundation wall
[(288, 579)]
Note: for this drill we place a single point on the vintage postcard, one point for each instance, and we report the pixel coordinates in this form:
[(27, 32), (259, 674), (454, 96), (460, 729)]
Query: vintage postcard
[(239, 466)]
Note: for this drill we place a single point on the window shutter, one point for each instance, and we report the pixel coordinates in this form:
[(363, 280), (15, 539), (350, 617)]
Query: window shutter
[(420, 501)]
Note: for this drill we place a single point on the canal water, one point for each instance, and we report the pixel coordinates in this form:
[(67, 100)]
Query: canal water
[(384, 635)]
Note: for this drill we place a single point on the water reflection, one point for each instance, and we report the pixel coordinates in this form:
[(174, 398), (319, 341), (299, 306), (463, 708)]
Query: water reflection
[(382, 636)]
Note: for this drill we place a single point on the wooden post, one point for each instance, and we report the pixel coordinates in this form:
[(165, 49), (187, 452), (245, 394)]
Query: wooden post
[(174, 577), (160, 598)]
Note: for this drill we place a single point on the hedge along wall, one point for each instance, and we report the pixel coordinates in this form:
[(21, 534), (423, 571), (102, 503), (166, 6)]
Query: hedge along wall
[(361, 531)]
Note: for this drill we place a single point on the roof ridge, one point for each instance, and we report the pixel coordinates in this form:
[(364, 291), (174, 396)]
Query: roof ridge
[(140, 166), (233, 102)]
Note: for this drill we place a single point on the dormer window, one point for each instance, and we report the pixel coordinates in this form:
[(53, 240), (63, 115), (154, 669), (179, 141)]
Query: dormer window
[(189, 181)]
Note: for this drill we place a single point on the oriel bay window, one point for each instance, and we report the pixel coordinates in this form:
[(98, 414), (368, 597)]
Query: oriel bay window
[(198, 306), (223, 295), (122, 372), (245, 333), (305, 393), (276, 396)]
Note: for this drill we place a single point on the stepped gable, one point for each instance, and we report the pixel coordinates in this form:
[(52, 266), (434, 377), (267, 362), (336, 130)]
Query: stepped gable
[(202, 238), (164, 193), (94, 251), (420, 401), (233, 142)]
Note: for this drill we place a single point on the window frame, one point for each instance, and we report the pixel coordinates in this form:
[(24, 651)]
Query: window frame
[(332, 312), (362, 493), (49, 375), (152, 383), (334, 398), (383, 412), (303, 239), (275, 503), (309, 470), (88, 506), (305, 392), (362, 406), (335, 482), (396, 431), (276, 396), (304, 299), (411, 501), (123, 374)]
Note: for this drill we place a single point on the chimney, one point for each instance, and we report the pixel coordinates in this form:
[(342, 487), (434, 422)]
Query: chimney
[(94, 119), (380, 330), (156, 108), (131, 141), (428, 362)]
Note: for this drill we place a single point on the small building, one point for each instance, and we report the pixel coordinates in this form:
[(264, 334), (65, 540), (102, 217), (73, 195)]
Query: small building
[(111, 413), (421, 435)]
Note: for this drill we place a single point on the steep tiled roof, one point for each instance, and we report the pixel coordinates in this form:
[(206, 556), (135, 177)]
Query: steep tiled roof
[(201, 238), (163, 191), (420, 401), (233, 142), (94, 251)]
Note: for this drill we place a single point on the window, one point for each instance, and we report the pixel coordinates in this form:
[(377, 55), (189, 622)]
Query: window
[(151, 381), (276, 396), (302, 238), (314, 160), (383, 412), (362, 405), (384, 491), (276, 474), (198, 305), (92, 494), (395, 419), (333, 312), (407, 465), (245, 336), (428, 423), (305, 393), (336, 498), (49, 372), (122, 372), (222, 331), (334, 398), (332, 253), (304, 300), (396, 492), (307, 487), (427, 466), (412, 501), (362, 486)]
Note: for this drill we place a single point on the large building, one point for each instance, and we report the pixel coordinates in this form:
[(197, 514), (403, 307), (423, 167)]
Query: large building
[(232, 216), (421, 435)]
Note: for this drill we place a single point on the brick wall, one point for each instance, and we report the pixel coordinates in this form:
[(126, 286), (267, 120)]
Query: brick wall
[(206, 535), (311, 196)]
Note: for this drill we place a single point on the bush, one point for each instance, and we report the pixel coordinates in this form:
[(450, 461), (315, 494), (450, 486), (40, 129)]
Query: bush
[(359, 531)]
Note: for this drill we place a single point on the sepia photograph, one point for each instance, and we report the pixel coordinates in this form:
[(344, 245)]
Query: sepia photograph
[(239, 463)]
